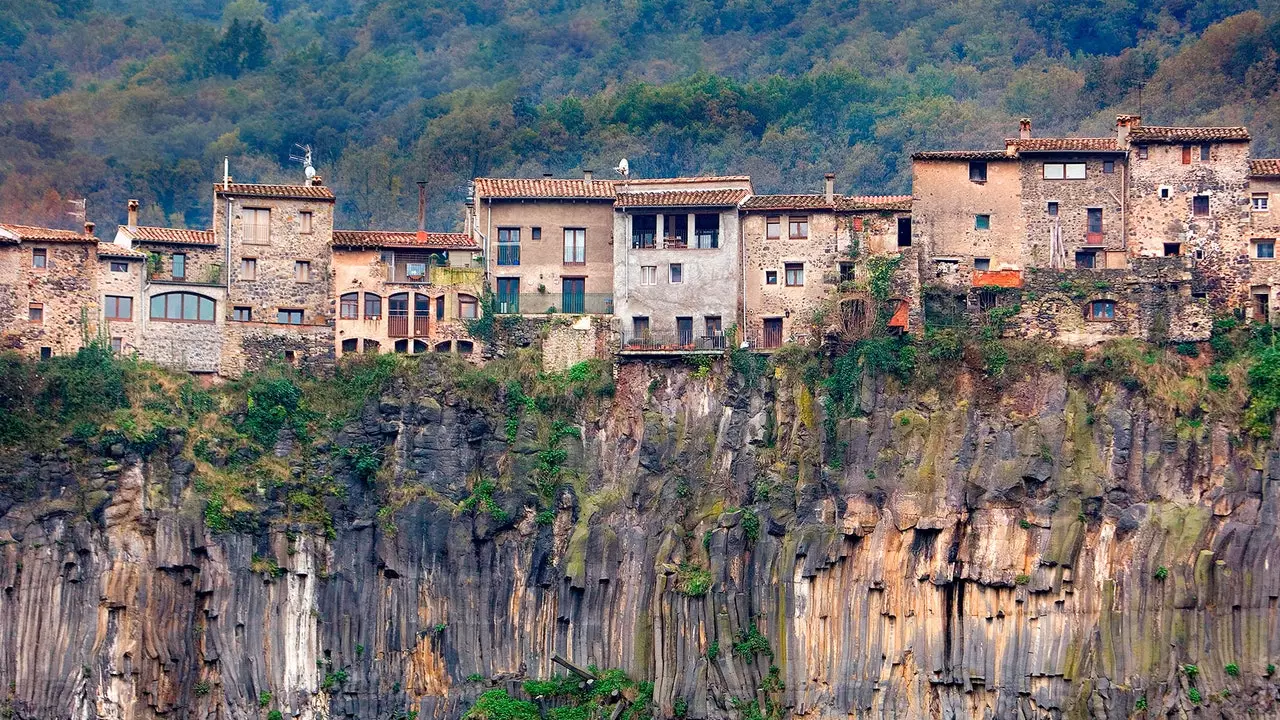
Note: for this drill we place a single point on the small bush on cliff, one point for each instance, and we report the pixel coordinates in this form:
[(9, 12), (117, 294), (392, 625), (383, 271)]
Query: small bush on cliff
[(91, 381), (752, 642), (692, 580), (496, 704), (270, 403), (264, 698), (275, 715), (1264, 393), (1194, 696), (1161, 573), (1232, 669), (1191, 671)]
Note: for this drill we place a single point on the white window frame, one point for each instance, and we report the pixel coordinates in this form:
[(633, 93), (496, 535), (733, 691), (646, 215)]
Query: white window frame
[(1264, 206), (648, 275), (675, 273), (1065, 171)]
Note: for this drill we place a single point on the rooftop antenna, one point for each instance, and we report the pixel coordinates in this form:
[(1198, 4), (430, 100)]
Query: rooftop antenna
[(304, 158), (623, 170), (226, 172), (80, 210)]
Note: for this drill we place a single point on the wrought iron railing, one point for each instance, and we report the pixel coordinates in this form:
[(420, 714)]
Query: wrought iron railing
[(673, 342), (552, 303)]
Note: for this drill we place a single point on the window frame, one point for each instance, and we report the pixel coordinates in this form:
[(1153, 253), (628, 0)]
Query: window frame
[(508, 248), (288, 314), (1264, 206), (39, 258), (1195, 211), (579, 246), (306, 222), (118, 266), (255, 237), (1091, 227), (466, 301), (184, 298), (1143, 152), (1065, 168), (798, 227), (675, 273), (302, 271), (111, 308), (977, 171), (35, 313), (986, 261), (376, 305), (794, 274), (982, 221), (1052, 208), (1092, 314), (1258, 244), (248, 268), (349, 306), (651, 271), (1108, 167), (178, 261), (771, 277), (773, 227), (242, 313), (1205, 155), (535, 233)]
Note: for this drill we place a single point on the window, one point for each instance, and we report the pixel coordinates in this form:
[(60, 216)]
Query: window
[(248, 268), (1094, 222), (35, 313), (1261, 202), (573, 295), (715, 327), (1200, 206), (39, 258), (46, 353), (304, 221), (1186, 154), (467, 307), (1108, 167), (1064, 171), (644, 230), (798, 227), (535, 233), (684, 331), (119, 266), (1172, 249), (117, 344), (1142, 152), (706, 231), (1165, 192), (981, 222), (1204, 153), (508, 246), (977, 171), (242, 313), (291, 357), (857, 224), (640, 327), (257, 225), (508, 295), (904, 232), (372, 306), (795, 274), (289, 316), (1086, 259), (677, 273), (770, 277), (350, 345), (575, 246), (302, 271), (1102, 310), (675, 230), (465, 347), (1261, 304), (1264, 249), (179, 266), (118, 307), (983, 264), (440, 308), (349, 306), (1053, 209), (846, 272), (182, 307), (648, 274), (772, 227)]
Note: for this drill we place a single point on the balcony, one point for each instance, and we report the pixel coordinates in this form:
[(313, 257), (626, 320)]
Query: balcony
[(508, 254), (673, 343), (429, 269), (212, 276), (552, 303)]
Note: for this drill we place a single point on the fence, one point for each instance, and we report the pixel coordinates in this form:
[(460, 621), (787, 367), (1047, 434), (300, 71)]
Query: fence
[(673, 342), (551, 303)]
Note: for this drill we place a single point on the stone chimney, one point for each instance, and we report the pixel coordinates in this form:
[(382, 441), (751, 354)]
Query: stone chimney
[(317, 181), (1024, 128), (422, 211), (830, 187), (588, 175), (88, 228), (133, 215), (1124, 125)]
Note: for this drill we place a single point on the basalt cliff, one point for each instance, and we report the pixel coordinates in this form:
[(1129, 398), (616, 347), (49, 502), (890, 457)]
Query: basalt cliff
[(1047, 547)]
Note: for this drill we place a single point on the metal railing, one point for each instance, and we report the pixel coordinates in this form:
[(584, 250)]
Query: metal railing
[(508, 253), (673, 342), (550, 303)]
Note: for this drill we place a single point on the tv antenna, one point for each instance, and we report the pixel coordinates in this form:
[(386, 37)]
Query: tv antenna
[(305, 158)]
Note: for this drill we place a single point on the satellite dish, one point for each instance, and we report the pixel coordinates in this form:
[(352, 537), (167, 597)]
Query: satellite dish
[(624, 168), (310, 172)]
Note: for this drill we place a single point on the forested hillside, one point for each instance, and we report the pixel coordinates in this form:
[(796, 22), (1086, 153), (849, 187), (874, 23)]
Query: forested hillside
[(111, 99)]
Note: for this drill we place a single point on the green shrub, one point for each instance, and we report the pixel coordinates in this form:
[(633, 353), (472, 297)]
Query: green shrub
[(1217, 379), (275, 715), (496, 704), (1264, 392), (1191, 671), (1187, 349), (475, 678), (264, 698), (333, 679), (1022, 579), (1194, 696), (1232, 669), (1161, 573), (681, 707), (713, 650), (751, 525), (692, 580), (201, 688), (270, 404), (752, 642), (91, 381), (1141, 704)]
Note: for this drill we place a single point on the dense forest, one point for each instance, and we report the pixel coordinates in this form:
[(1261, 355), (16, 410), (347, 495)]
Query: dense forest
[(111, 99)]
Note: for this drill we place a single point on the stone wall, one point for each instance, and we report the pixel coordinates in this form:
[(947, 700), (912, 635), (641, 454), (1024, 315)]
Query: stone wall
[(1098, 189), (251, 346), (122, 284), (943, 216), (204, 263), (565, 345), (64, 287)]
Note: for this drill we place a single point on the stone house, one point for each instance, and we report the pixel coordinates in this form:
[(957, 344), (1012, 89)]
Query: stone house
[(121, 276), (47, 289), (407, 292), (805, 261), (677, 262), (547, 243), (1260, 244)]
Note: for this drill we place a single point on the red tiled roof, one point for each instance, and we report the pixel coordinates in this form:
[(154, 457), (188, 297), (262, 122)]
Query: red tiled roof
[(1080, 144), (14, 233), (290, 192), (961, 155), (170, 236), (1169, 134), (695, 179), (681, 198), (874, 202), (1265, 167), (106, 249), (997, 278), (547, 188), (787, 202), (388, 238)]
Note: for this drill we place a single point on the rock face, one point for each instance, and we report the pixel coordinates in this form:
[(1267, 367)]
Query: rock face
[(1043, 550)]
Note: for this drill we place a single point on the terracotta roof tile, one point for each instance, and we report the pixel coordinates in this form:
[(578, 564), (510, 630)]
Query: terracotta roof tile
[(1265, 167), (787, 202), (292, 192), (961, 155), (695, 179), (170, 236), (106, 249), (388, 238), (874, 202), (1079, 144), (1169, 134), (548, 188), (681, 198), (15, 233)]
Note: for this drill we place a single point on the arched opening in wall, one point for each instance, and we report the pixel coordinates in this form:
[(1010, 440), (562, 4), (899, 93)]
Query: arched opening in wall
[(350, 345), (419, 347), (372, 347), (349, 306), (182, 307), (398, 315), (445, 346), (372, 306), (468, 306), (402, 346), (465, 347)]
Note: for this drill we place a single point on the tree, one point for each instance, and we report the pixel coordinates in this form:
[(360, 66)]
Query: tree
[(244, 46)]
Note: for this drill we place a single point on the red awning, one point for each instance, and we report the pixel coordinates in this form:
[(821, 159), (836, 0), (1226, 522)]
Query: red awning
[(900, 316), (997, 278)]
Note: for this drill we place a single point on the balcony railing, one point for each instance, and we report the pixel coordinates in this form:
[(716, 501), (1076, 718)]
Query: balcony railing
[(652, 342), (701, 241), (508, 253), (540, 303)]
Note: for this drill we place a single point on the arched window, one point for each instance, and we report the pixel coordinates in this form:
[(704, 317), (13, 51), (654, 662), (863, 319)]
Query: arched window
[(467, 306), (372, 306), (349, 306), (350, 345), (419, 347), (402, 346), (372, 347), (182, 307), (465, 347)]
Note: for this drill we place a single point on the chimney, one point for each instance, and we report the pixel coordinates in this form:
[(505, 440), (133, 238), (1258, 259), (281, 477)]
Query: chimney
[(830, 179), (1024, 128), (587, 175), (133, 215), (422, 211), (317, 181), (88, 228), (546, 175), (1124, 125)]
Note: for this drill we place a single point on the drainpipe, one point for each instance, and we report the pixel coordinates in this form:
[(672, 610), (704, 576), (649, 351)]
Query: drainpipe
[(488, 232), (226, 185), (742, 277)]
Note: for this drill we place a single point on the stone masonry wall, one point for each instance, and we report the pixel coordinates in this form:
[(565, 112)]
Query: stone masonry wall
[(122, 284), (1098, 189), (65, 288), (204, 264)]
